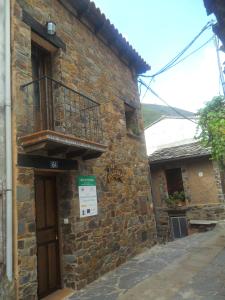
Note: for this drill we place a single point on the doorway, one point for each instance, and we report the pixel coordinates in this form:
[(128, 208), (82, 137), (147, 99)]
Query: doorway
[(48, 260), (42, 94), (179, 226)]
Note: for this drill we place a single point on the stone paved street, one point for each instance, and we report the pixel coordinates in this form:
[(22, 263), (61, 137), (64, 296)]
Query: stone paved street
[(191, 268)]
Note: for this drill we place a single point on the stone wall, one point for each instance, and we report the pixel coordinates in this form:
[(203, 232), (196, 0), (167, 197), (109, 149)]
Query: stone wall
[(204, 194), (201, 181), (26, 234), (196, 212), (206, 212), (125, 223)]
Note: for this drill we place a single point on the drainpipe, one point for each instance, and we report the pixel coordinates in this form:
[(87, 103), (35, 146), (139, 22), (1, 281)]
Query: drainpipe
[(8, 143)]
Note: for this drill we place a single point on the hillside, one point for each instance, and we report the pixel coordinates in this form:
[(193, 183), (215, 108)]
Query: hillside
[(152, 112)]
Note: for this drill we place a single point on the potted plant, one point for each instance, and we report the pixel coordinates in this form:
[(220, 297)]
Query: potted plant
[(176, 199)]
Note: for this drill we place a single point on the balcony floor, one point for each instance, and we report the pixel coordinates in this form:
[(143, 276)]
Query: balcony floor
[(54, 144)]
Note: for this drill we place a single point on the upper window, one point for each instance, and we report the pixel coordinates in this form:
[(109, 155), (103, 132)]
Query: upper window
[(131, 120), (174, 181)]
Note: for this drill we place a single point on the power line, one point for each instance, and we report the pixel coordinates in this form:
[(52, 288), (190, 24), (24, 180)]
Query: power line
[(219, 64), (176, 58), (165, 102), (181, 60), (193, 52)]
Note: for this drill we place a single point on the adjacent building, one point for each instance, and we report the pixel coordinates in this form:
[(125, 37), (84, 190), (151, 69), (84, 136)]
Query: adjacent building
[(217, 7), (168, 131), (81, 194), (187, 189)]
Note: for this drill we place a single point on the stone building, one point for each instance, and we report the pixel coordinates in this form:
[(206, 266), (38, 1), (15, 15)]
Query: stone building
[(81, 194), (160, 134), (187, 190), (217, 7)]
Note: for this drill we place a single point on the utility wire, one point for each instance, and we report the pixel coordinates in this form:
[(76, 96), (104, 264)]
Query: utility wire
[(165, 102), (176, 58), (193, 52), (219, 64)]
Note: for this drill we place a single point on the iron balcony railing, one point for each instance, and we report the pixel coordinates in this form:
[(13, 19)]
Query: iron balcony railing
[(50, 105)]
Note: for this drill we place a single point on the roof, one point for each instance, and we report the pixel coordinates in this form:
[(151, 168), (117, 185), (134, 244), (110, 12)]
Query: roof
[(171, 118), (209, 5), (152, 112), (179, 152), (91, 16), (217, 7)]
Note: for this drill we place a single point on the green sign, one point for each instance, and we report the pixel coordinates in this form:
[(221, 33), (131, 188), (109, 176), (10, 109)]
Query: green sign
[(86, 181), (87, 196)]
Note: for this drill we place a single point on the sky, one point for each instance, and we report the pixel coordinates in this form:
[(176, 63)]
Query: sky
[(159, 30)]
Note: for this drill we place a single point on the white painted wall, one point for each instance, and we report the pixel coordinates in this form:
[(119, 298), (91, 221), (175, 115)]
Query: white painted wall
[(169, 132)]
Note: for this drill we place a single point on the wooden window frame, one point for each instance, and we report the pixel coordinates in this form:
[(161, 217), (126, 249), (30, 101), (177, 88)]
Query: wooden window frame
[(37, 39)]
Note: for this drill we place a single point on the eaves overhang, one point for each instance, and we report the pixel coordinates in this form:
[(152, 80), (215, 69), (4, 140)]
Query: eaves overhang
[(175, 159), (217, 7), (91, 16)]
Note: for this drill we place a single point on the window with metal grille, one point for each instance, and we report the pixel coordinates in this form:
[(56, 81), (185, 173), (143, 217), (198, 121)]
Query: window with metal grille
[(179, 227)]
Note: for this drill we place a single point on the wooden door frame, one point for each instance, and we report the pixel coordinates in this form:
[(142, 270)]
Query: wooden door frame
[(53, 174), (44, 56)]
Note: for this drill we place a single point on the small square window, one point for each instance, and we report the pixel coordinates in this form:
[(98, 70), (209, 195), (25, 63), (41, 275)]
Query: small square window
[(131, 120)]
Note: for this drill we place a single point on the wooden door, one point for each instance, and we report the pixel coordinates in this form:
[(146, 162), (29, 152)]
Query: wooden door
[(41, 66), (48, 267)]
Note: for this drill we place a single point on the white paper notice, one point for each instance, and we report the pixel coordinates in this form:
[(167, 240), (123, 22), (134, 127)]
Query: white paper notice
[(88, 201)]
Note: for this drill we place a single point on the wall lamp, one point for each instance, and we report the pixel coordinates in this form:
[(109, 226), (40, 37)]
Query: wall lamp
[(51, 28)]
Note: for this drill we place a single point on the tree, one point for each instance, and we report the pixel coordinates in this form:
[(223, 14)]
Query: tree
[(211, 126)]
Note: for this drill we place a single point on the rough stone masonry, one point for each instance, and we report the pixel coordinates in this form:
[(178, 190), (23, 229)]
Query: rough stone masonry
[(125, 225)]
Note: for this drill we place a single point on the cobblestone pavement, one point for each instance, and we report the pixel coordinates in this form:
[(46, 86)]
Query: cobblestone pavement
[(190, 268)]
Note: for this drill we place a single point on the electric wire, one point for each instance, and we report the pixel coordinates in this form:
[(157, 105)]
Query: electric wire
[(193, 52), (221, 76), (165, 102), (170, 63), (174, 61)]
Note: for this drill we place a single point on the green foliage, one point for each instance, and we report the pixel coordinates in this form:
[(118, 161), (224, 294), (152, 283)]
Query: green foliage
[(149, 115), (212, 128), (175, 198)]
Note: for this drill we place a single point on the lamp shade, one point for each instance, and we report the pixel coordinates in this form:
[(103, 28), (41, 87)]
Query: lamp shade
[(51, 28)]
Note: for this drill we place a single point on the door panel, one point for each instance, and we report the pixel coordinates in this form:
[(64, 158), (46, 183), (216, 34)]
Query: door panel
[(41, 66), (50, 205), (183, 227), (47, 236), (179, 226), (176, 228), (42, 276), (40, 204), (52, 254)]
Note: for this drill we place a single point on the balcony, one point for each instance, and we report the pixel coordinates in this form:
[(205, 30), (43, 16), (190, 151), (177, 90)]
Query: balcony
[(59, 121)]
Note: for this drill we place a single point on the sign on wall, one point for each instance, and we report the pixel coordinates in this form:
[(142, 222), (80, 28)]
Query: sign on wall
[(87, 196)]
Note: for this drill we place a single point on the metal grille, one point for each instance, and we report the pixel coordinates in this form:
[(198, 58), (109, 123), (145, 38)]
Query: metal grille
[(179, 226), (50, 105)]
